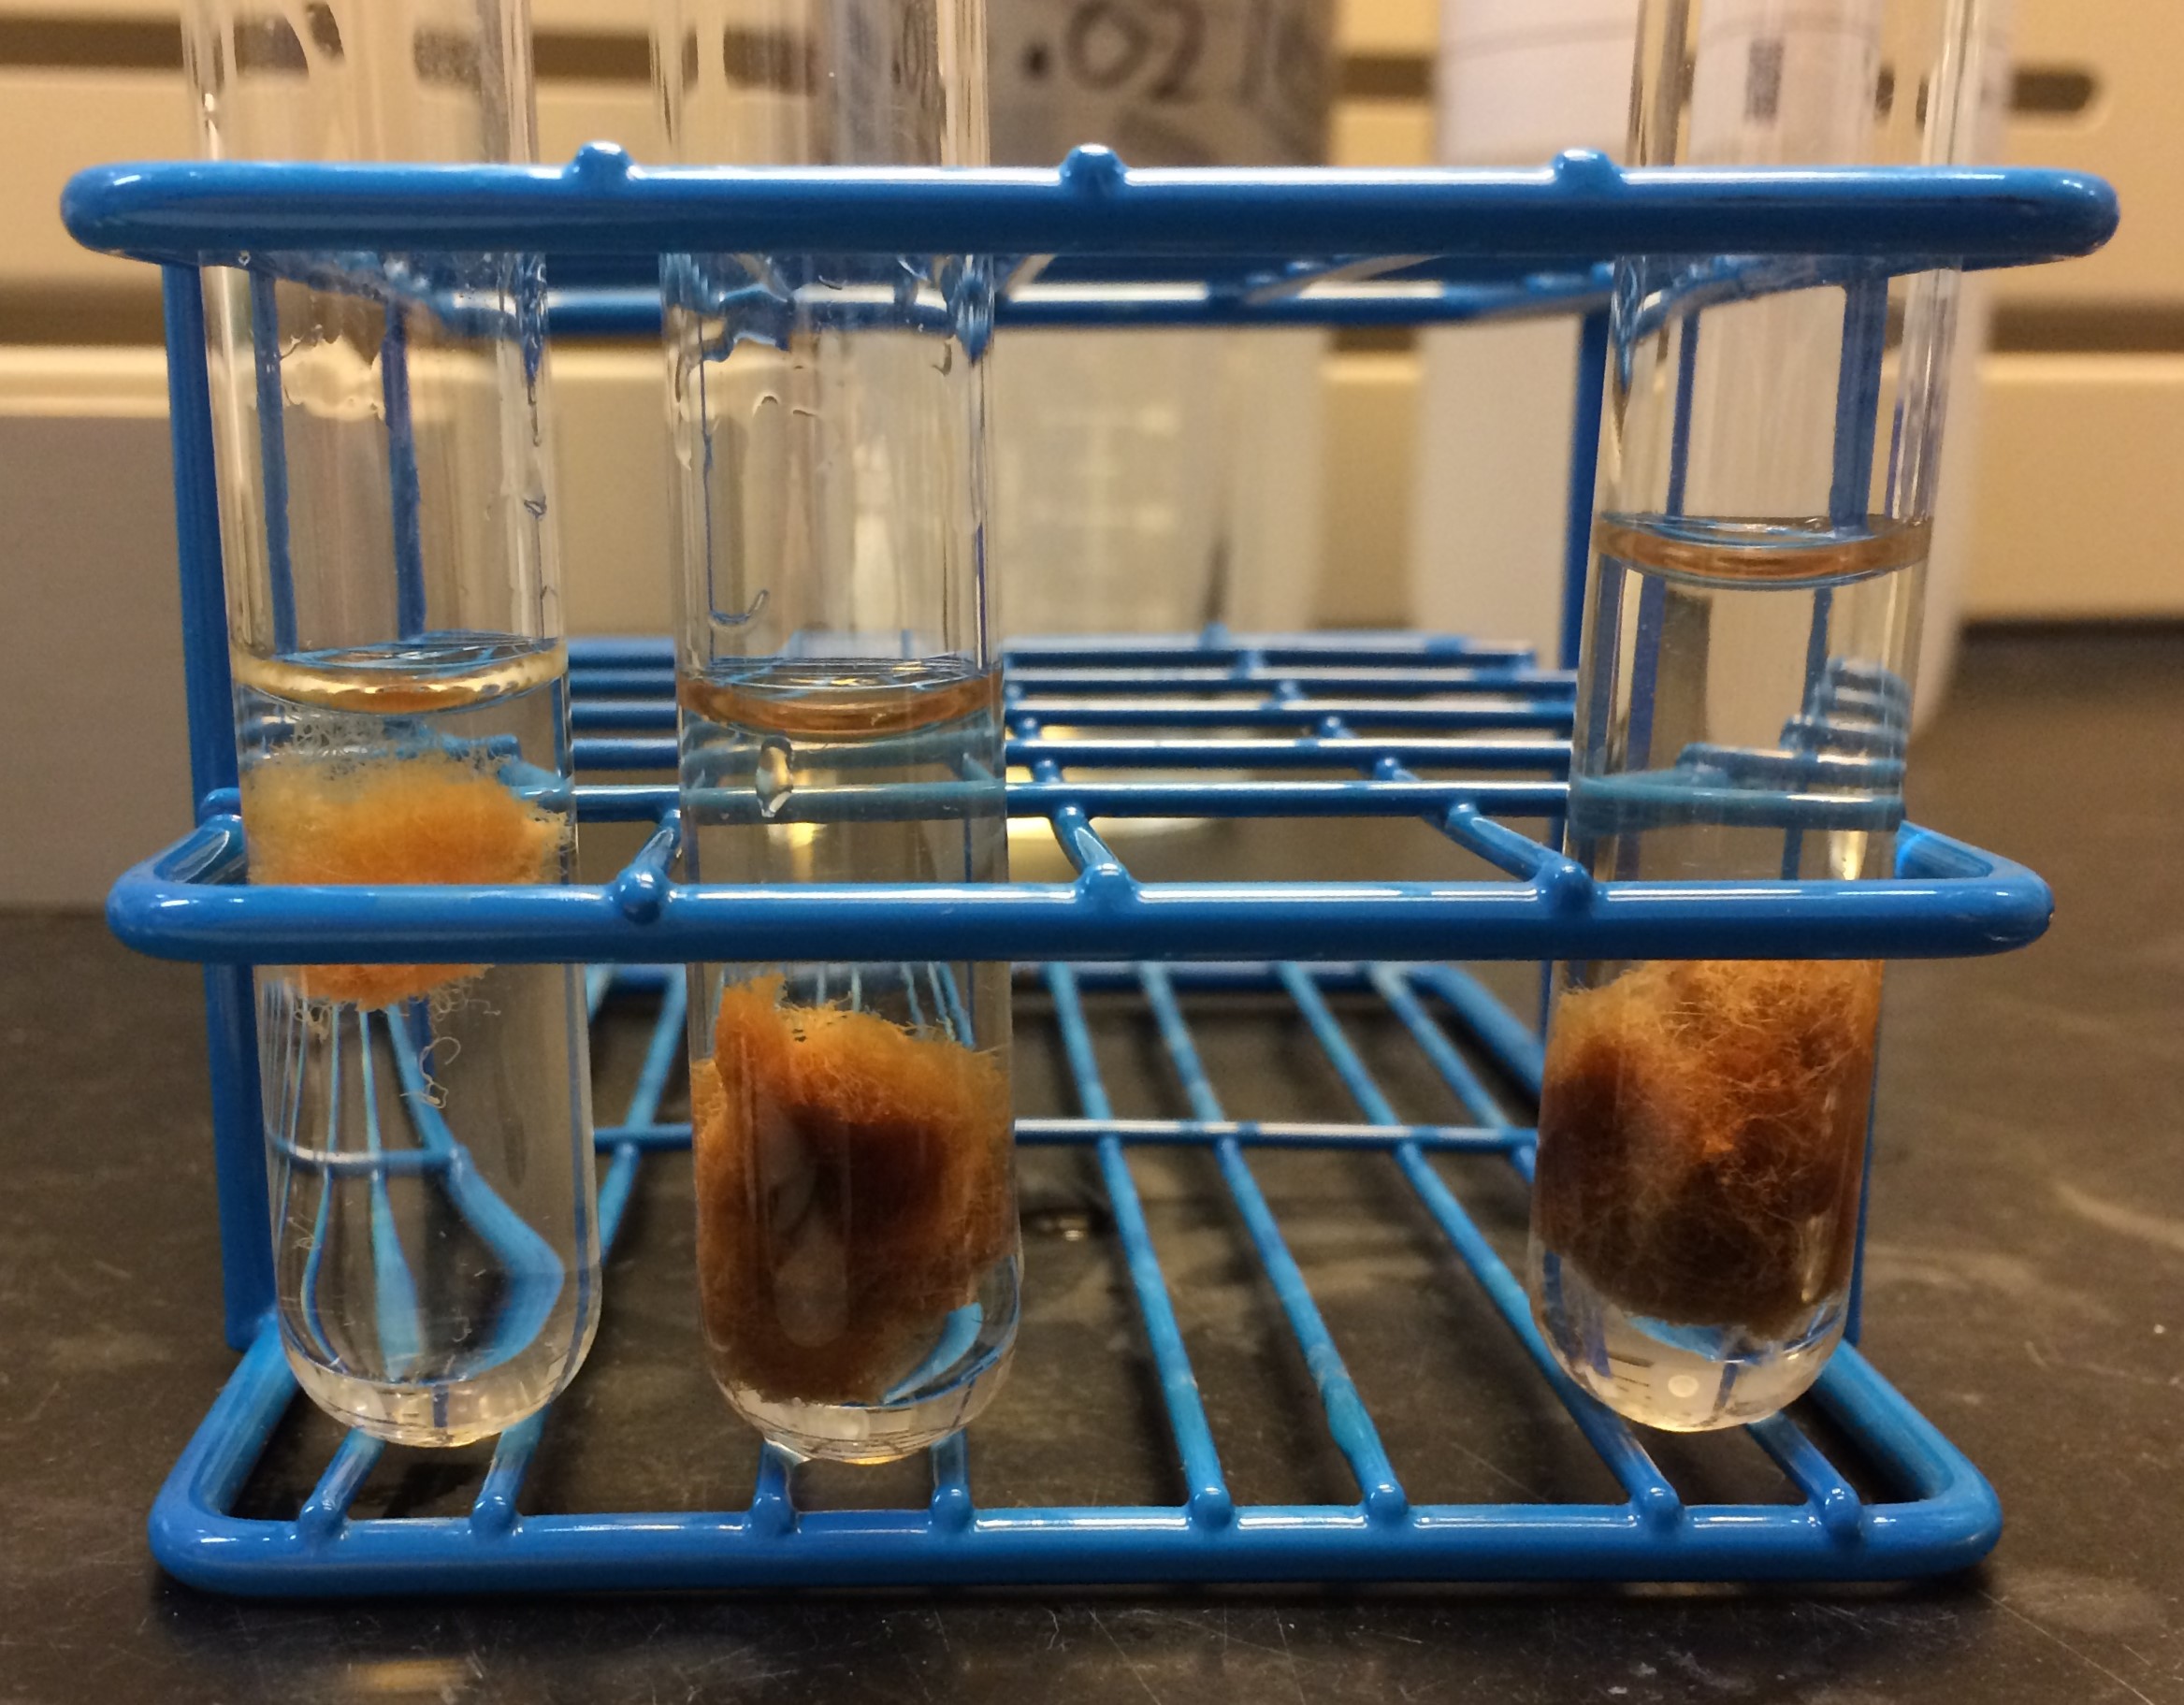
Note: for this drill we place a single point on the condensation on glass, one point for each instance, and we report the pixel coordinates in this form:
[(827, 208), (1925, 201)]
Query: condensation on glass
[(401, 716), (840, 717), (1765, 506)]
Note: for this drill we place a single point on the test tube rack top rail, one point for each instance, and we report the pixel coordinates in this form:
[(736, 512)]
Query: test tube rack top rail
[(1467, 736)]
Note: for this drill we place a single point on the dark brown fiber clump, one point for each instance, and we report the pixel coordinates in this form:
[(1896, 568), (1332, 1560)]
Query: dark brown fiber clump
[(853, 1189), (1703, 1135)]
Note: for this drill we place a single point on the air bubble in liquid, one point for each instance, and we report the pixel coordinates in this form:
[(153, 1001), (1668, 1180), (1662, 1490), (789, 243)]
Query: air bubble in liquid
[(776, 775)]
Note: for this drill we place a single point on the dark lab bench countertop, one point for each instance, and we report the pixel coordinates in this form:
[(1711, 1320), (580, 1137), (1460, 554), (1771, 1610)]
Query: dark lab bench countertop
[(2026, 1289)]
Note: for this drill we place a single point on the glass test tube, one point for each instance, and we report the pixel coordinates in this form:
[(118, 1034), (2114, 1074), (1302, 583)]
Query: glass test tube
[(840, 710), (401, 716), (1766, 502)]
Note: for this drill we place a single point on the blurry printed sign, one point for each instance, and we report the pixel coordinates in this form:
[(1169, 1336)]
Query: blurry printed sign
[(1163, 82)]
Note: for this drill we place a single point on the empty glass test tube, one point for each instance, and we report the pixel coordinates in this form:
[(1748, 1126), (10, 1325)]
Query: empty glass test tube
[(839, 711), (401, 716), (1765, 505)]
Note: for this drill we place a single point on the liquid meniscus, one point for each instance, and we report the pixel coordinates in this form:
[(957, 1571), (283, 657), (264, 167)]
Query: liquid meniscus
[(1789, 552)]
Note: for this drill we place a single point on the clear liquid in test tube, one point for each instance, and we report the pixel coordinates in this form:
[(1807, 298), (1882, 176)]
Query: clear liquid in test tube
[(840, 722), (1743, 711), (401, 716)]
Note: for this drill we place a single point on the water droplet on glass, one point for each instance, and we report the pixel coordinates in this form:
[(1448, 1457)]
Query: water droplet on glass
[(776, 777)]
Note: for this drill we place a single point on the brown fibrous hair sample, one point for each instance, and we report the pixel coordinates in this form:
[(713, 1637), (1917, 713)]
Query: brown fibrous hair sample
[(428, 817), (1703, 1135), (854, 1187)]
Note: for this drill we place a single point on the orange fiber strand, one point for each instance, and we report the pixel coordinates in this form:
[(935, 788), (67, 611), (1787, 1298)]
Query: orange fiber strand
[(1702, 1136), (428, 818), (853, 1189)]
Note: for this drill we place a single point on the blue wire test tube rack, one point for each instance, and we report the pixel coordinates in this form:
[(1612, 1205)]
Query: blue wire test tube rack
[(1469, 737)]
